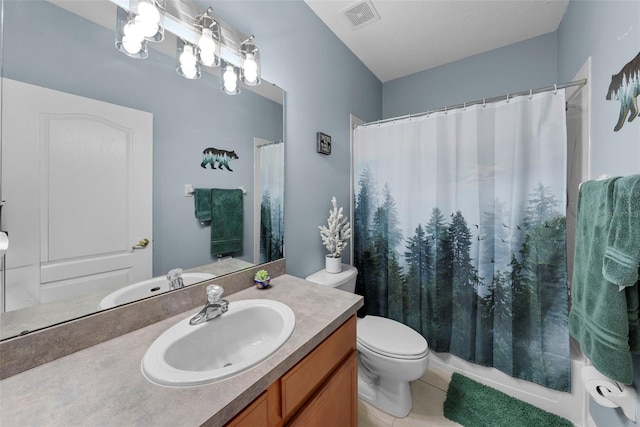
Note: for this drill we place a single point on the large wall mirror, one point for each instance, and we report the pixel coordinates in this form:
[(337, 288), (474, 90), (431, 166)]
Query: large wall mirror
[(101, 151)]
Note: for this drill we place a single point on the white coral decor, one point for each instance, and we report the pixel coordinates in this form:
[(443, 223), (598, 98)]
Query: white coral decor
[(335, 237)]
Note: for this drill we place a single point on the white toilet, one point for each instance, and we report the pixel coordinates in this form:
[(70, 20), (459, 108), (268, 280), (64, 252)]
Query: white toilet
[(390, 354)]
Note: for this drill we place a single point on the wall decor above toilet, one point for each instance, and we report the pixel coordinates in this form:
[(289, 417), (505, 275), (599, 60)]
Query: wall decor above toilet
[(323, 142), (217, 158)]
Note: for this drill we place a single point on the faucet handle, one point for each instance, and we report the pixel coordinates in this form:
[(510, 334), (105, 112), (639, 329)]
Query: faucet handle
[(214, 292)]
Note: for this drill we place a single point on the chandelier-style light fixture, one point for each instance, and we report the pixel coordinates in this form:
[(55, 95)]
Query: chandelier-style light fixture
[(202, 40)]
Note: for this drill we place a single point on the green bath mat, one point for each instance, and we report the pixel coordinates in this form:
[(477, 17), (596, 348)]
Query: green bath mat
[(475, 405)]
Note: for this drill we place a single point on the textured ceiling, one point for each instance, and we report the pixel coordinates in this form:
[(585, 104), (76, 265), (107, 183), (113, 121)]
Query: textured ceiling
[(413, 36)]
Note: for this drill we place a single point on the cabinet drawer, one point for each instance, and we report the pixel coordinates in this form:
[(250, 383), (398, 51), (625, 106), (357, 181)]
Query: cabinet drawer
[(304, 378)]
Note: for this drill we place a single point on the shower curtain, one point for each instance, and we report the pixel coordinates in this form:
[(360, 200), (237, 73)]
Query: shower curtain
[(272, 204), (459, 232)]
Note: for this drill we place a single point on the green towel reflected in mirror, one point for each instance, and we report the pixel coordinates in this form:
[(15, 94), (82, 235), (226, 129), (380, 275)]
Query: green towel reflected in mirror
[(224, 208)]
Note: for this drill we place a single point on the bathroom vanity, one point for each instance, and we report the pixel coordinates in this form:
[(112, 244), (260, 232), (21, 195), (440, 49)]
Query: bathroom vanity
[(311, 379), (320, 390)]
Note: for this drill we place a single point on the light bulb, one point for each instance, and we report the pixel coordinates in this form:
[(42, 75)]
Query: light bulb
[(189, 71), (148, 12), (187, 58), (206, 41), (147, 27), (250, 68), (207, 58), (230, 79), (131, 44), (133, 31)]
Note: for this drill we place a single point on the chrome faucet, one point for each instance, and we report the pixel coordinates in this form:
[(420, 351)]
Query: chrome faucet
[(214, 307), (175, 279)]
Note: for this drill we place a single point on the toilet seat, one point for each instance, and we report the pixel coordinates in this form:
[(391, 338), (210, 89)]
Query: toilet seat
[(390, 338)]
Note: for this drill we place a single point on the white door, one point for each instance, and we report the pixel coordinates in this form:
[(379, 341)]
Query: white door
[(77, 182)]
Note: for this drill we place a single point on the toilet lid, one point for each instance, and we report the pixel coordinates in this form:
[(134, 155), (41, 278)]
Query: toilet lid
[(390, 338)]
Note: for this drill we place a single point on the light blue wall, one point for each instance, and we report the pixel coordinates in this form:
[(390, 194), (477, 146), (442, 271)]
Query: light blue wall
[(325, 83), (609, 33), (520, 66)]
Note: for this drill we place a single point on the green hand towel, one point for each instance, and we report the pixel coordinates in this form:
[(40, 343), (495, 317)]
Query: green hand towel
[(600, 315), (622, 254), (226, 221), (202, 201)]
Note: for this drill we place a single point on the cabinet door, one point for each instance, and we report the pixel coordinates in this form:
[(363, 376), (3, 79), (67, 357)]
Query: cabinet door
[(336, 403), (302, 381), (262, 412), (254, 415)]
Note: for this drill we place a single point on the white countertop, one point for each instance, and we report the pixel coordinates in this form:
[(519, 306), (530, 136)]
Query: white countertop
[(103, 385)]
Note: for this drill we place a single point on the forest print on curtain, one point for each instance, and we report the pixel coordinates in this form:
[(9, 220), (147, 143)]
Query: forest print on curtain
[(459, 232)]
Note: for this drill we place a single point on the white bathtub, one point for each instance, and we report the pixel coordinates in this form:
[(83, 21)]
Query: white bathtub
[(572, 406), (148, 288)]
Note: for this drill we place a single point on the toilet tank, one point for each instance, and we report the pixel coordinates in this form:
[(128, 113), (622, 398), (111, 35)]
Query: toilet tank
[(345, 280)]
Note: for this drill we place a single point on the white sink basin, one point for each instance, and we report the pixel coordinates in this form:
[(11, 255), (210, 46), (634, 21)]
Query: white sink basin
[(148, 288), (249, 332)]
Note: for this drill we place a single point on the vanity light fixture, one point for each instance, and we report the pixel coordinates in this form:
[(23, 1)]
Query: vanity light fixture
[(129, 37), (150, 18), (229, 78), (202, 39), (187, 64), (251, 62), (209, 40)]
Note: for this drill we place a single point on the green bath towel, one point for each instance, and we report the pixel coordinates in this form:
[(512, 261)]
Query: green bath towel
[(602, 318), (202, 201), (622, 254), (226, 221)]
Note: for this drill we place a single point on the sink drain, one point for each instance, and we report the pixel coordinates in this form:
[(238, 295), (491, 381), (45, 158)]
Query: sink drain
[(228, 364)]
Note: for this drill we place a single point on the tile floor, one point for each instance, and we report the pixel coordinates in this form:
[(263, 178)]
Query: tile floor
[(429, 394)]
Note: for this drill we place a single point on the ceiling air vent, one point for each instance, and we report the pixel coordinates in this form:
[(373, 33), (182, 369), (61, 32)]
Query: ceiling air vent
[(361, 14)]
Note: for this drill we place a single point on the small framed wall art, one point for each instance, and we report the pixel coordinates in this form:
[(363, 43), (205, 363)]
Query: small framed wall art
[(323, 143)]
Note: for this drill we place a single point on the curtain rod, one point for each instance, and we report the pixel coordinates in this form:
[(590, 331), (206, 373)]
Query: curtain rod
[(508, 96), (270, 143)]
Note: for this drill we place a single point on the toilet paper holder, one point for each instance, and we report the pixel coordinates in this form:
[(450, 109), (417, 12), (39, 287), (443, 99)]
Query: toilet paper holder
[(610, 393)]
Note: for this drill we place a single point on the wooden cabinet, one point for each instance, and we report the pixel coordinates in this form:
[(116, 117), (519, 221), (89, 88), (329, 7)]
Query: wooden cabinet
[(264, 411), (336, 403), (322, 389)]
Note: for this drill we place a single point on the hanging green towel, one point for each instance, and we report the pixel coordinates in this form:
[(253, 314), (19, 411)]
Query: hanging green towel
[(202, 201), (226, 221), (600, 314), (622, 254)]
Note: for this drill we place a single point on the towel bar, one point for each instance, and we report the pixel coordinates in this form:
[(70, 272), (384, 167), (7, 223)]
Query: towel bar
[(188, 190)]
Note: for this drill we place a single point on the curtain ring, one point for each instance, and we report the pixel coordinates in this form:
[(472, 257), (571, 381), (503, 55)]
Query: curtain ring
[(507, 98), (484, 103), (465, 106), (530, 93), (555, 89), (427, 115), (445, 109)]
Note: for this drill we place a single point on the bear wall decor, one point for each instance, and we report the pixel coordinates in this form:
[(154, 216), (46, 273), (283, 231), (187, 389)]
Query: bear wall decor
[(212, 156), (625, 87)]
